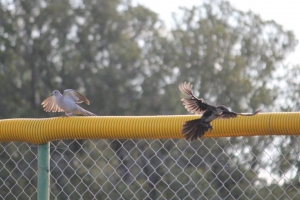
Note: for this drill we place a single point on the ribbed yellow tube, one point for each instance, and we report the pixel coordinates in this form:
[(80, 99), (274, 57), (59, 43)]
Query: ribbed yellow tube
[(39, 131)]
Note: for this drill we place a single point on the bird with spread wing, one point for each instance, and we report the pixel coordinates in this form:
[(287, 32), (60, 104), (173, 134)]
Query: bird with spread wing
[(66, 102), (196, 128)]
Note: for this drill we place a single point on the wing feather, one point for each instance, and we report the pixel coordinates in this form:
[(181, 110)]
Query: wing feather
[(249, 114), (76, 96), (231, 114), (50, 105), (227, 115), (193, 104)]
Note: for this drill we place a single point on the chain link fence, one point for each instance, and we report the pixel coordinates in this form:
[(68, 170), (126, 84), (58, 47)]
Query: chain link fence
[(225, 168)]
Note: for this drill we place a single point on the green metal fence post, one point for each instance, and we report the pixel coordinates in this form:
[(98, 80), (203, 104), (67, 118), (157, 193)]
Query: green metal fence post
[(43, 171)]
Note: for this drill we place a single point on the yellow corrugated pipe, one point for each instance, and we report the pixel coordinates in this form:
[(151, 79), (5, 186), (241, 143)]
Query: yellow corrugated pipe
[(39, 131)]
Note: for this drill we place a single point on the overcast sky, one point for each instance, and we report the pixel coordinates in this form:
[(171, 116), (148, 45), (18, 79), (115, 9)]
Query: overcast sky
[(284, 12)]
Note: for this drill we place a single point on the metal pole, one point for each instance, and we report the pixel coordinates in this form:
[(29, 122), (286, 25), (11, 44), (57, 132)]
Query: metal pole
[(43, 171)]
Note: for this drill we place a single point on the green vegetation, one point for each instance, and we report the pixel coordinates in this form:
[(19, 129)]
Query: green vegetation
[(124, 60)]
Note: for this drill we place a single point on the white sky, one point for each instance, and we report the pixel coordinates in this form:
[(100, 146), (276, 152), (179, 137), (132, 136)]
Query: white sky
[(284, 12)]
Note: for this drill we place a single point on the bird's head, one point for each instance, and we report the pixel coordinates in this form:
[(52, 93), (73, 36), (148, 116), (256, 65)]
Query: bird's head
[(56, 93)]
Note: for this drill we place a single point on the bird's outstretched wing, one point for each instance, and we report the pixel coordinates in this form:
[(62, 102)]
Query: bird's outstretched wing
[(76, 96), (193, 104), (231, 114), (249, 114), (49, 105)]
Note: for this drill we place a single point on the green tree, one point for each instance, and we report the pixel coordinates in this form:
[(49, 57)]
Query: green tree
[(56, 45), (127, 63), (232, 58)]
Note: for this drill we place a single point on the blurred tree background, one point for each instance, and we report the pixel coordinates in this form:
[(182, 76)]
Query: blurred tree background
[(126, 62)]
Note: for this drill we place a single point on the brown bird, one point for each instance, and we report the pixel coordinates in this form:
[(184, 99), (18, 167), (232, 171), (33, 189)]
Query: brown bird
[(66, 103), (196, 128)]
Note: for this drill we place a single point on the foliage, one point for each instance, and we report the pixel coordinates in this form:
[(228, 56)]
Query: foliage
[(127, 63)]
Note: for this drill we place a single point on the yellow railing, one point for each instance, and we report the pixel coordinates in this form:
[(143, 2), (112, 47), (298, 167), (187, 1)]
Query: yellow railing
[(40, 131)]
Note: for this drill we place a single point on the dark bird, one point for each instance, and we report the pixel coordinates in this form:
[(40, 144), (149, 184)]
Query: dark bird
[(196, 128)]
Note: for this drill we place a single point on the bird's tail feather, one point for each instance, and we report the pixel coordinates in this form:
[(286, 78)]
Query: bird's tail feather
[(194, 129), (84, 112)]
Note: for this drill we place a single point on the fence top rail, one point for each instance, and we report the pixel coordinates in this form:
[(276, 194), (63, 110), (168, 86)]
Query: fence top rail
[(43, 130)]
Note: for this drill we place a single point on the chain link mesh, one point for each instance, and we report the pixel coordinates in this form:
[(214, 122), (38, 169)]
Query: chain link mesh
[(226, 168)]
